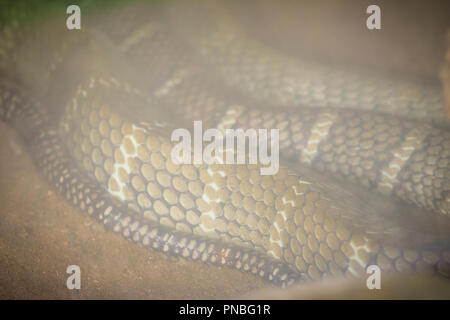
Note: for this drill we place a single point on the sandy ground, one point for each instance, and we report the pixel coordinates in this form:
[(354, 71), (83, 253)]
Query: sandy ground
[(41, 234)]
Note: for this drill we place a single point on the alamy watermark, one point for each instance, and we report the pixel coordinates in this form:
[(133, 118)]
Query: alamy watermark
[(374, 280), (373, 22), (73, 22), (74, 280), (227, 147)]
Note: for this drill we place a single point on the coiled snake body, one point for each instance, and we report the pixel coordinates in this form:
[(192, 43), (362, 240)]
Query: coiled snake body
[(125, 89)]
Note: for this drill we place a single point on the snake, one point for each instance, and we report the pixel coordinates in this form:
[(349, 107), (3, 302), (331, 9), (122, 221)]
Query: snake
[(364, 170)]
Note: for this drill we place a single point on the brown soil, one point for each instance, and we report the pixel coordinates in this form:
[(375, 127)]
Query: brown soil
[(41, 235)]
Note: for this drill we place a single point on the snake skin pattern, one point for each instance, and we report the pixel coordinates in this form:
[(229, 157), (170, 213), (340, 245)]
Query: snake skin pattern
[(267, 75), (96, 108)]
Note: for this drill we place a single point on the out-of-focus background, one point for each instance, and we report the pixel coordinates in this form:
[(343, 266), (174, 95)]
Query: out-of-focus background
[(41, 234)]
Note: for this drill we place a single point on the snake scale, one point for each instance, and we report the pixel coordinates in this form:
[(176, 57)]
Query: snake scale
[(96, 107)]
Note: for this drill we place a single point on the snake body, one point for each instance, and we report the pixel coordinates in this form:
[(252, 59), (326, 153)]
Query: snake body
[(109, 150)]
